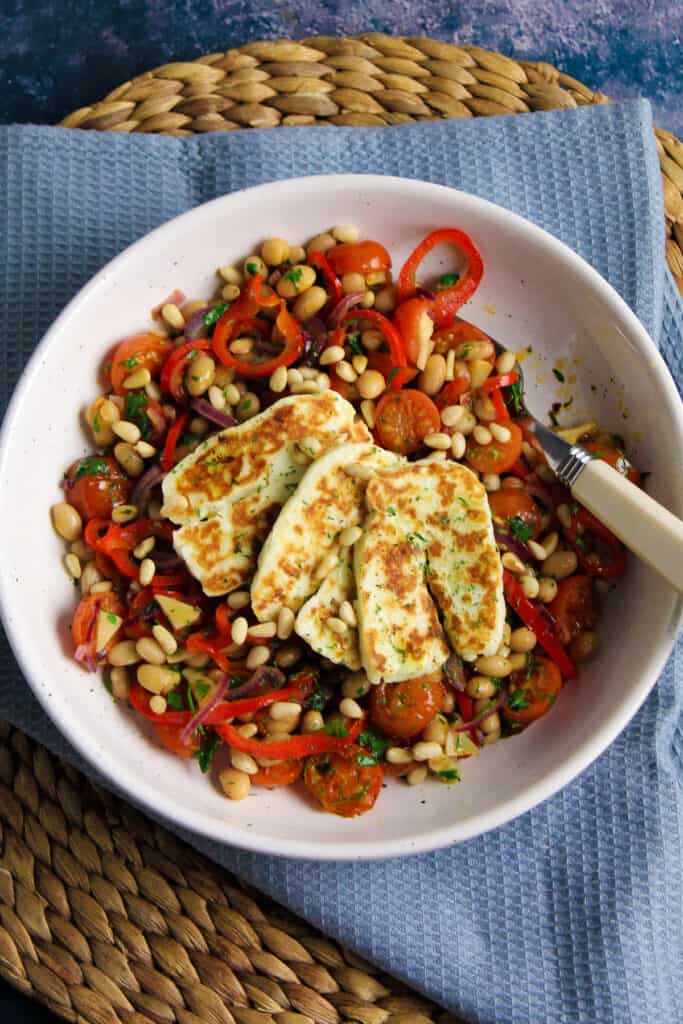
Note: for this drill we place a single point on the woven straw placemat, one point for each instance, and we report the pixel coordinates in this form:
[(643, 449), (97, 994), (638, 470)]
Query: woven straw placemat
[(104, 916), (372, 79)]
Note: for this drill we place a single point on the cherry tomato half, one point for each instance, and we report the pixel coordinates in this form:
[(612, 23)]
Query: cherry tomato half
[(497, 456), (403, 419), (513, 503), (95, 485), (282, 774), (616, 459), (403, 710), (358, 258), (342, 784), (573, 607), (533, 693), (141, 352)]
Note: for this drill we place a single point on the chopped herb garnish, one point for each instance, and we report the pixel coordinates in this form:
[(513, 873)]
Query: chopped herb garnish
[(252, 268), (516, 397), (375, 746), (464, 501), (134, 410), (366, 760), (336, 728), (559, 375), (520, 529), (391, 511), (206, 752), (129, 363), (201, 690), (518, 700), (175, 700), (392, 373), (316, 702), (324, 765), (112, 618), (91, 466), (449, 776), (215, 313), (354, 343), (446, 280), (293, 275)]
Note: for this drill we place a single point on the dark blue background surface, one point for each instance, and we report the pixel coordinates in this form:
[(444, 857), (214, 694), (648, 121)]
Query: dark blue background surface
[(57, 56)]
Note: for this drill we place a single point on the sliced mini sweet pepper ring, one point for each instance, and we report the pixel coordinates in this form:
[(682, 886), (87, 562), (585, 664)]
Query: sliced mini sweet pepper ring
[(333, 285), (534, 619), (294, 746), (240, 316), (172, 379), (448, 301), (396, 377)]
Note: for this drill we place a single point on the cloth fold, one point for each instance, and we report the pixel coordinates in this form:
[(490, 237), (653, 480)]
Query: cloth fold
[(572, 913)]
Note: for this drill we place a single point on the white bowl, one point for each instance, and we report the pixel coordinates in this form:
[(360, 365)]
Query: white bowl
[(534, 290)]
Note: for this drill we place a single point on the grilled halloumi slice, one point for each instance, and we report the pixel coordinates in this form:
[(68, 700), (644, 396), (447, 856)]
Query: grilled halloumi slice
[(326, 501), (441, 512), (399, 630), (313, 618), (226, 494)]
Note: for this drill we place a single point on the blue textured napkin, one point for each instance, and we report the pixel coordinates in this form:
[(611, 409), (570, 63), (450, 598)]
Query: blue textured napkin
[(573, 912)]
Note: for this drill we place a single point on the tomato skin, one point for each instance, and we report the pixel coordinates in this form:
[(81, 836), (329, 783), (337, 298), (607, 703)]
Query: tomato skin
[(540, 689), (149, 352), (498, 456), (341, 785), (409, 321), (358, 258), (85, 617), (514, 502), (403, 419), (94, 495), (616, 459), (403, 710), (283, 774), (169, 737), (573, 607), (456, 334)]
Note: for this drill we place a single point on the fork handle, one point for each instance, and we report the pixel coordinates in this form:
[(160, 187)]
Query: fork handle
[(644, 526)]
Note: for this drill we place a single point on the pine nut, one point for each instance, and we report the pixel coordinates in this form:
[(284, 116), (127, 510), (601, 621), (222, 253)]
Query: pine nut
[(491, 482), (126, 431), (232, 394), (123, 653), (356, 685), (448, 703), (285, 623), (72, 564), (450, 364), (482, 435), (513, 564), (124, 513), (171, 315), (118, 678), (337, 625), (238, 599), (67, 521), (346, 233), (145, 450), (349, 536), (451, 415), (467, 423), (284, 710), (109, 411), (530, 586), (157, 678), (139, 379), (235, 784), (81, 549), (560, 564), (102, 588), (493, 665), (263, 630), (158, 704), (398, 755), (217, 397), (522, 640), (417, 776), (436, 731), (547, 590), (347, 614), (371, 383), (243, 762), (147, 571), (332, 354), (248, 730), (89, 577), (128, 458), (278, 380), (432, 378), (367, 408), (352, 283), (231, 275), (144, 547), (350, 708), (240, 628), (360, 364), (536, 549), (550, 543), (165, 639), (153, 391), (480, 370), (149, 650), (312, 721), (505, 362), (500, 433), (308, 387), (257, 656), (484, 409), (346, 372), (458, 445), (442, 442), (423, 751)]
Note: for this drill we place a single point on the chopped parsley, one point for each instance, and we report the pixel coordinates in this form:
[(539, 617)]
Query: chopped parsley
[(251, 268), (129, 363), (214, 314), (464, 501), (518, 700), (336, 728), (520, 529), (175, 700), (375, 748), (392, 373), (91, 466), (516, 396), (354, 343), (206, 752), (316, 702), (324, 765), (449, 776), (293, 275), (112, 618), (391, 511), (134, 410), (558, 375), (447, 280)]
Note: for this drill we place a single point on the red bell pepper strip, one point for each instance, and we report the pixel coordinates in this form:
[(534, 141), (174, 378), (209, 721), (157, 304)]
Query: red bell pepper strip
[(172, 379), (294, 746), (465, 706), (395, 380), (397, 376), (583, 524), (200, 643), (499, 405), (297, 691), (452, 392), (171, 442), (223, 617), (333, 285), (447, 302), (518, 469), (240, 316), (500, 380), (139, 700), (534, 620)]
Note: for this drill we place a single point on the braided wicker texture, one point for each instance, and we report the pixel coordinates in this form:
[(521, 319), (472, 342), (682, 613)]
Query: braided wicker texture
[(372, 79), (108, 919)]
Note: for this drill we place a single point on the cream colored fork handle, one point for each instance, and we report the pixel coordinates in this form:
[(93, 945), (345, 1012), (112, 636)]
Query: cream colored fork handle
[(645, 526)]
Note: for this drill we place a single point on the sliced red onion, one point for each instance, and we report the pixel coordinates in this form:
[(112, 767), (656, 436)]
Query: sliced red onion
[(205, 409), (84, 657), (266, 677), (513, 544), (166, 561), (206, 709), (315, 339), (425, 293), (486, 713), (144, 487), (455, 673), (195, 326), (342, 307), (176, 298)]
